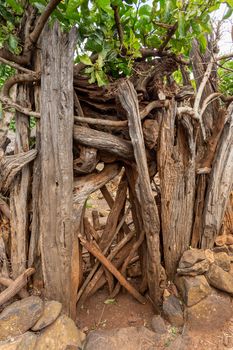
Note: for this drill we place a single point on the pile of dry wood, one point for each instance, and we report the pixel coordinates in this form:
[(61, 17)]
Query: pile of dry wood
[(141, 128)]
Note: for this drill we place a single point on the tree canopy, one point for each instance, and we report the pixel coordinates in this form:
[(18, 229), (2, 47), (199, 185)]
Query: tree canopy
[(119, 32)]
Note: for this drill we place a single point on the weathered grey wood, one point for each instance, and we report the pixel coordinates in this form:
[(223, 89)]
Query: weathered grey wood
[(34, 256), (56, 197), (83, 187), (176, 163), (220, 185), (20, 191), (11, 166), (150, 217), (103, 141)]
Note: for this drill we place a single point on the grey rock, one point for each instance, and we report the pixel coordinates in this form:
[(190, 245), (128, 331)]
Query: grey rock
[(222, 260), (195, 262), (20, 316), (60, 335), (193, 289), (192, 256), (130, 338), (210, 313), (158, 324), (173, 311), (26, 341), (220, 279), (52, 310)]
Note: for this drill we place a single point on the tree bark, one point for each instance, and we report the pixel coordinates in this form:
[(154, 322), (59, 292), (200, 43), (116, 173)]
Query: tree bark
[(56, 197), (176, 162), (20, 192), (150, 217), (220, 185)]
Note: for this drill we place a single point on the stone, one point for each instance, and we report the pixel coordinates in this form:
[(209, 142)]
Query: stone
[(195, 262), (220, 279), (26, 341), (173, 312), (210, 313), (130, 338), (193, 289), (224, 240), (222, 260), (221, 249), (158, 324), (52, 310), (192, 256), (59, 335), (20, 316), (197, 269)]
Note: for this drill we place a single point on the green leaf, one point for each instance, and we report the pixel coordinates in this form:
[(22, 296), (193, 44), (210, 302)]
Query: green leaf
[(203, 42), (13, 42), (229, 2), (145, 10), (168, 8), (229, 13), (15, 6), (181, 24), (86, 60), (101, 78), (110, 301), (92, 79), (104, 5)]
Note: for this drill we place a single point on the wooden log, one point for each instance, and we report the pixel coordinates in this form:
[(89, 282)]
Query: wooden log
[(103, 141), (131, 173), (176, 163), (98, 280), (34, 255), (220, 185), (87, 284), (202, 179), (16, 286), (19, 195), (11, 166), (90, 229), (88, 159), (113, 217), (4, 208), (96, 220), (57, 237), (97, 253), (135, 247), (149, 212), (108, 197), (7, 282), (84, 186)]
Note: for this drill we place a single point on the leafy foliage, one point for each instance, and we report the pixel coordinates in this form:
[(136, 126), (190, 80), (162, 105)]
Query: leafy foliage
[(144, 24), (225, 73)]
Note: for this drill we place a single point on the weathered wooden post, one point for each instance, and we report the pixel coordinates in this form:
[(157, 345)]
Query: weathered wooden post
[(56, 192)]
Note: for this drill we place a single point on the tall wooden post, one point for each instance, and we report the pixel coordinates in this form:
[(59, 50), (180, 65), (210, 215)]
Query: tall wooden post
[(56, 197)]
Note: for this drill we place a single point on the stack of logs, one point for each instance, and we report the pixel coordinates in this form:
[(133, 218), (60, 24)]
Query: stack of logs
[(143, 129)]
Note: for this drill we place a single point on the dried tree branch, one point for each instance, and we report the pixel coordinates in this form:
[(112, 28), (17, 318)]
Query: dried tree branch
[(98, 254), (16, 286), (16, 66), (171, 31), (197, 101), (19, 78), (5, 209), (118, 25), (8, 103), (34, 36), (11, 165), (7, 282)]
